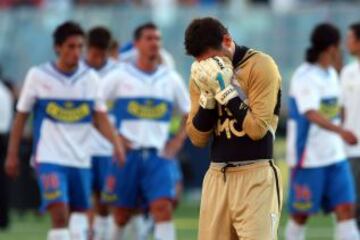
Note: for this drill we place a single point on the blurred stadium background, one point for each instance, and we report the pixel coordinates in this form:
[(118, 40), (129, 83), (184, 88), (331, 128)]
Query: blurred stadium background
[(278, 27)]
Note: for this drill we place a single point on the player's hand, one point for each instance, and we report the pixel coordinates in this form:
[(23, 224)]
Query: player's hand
[(215, 75), (348, 137), (119, 151), (12, 166), (172, 148)]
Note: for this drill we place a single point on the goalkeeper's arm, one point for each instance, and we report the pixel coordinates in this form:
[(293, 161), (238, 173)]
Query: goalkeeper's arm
[(201, 121)]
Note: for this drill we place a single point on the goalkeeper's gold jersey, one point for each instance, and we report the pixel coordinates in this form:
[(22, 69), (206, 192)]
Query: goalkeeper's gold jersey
[(258, 76)]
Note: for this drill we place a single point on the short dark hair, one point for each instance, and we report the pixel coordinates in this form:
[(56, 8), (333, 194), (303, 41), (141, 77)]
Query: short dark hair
[(355, 27), (99, 37), (322, 37), (139, 30), (66, 30), (203, 34)]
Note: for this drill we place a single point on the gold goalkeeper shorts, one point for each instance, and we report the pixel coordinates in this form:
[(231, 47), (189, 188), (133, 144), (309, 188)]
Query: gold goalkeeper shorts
[(241, 202)]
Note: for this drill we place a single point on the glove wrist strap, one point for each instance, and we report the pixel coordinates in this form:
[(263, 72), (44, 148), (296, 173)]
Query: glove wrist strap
[(225, 95)]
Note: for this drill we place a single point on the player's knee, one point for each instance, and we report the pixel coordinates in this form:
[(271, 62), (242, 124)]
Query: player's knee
[(300, 219), (122, 216), (59, 215), (345, 211), (100, 208), (161, 210)]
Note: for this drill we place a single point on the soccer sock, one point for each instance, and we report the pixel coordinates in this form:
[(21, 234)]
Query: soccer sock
[(346, 230), (79, 226), (117, 233), (141, 227), (294, 231), (165, 231), (102, 227), (59, 234)]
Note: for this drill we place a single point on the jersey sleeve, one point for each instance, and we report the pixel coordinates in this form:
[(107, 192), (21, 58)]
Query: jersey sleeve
[(342, 95), (306, 95), (263, 97), (182, 98), (28, 93), (100, 101)]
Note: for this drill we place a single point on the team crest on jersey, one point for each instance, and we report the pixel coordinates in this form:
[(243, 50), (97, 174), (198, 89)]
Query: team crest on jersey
[(303, 197), (149, 110), (68, 111)]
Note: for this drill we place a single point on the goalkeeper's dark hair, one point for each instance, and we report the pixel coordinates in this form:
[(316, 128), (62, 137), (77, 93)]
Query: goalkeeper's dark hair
[(66, 30), (203, 34), (355, 28), (323, 36), (140, 29), (99, 37)]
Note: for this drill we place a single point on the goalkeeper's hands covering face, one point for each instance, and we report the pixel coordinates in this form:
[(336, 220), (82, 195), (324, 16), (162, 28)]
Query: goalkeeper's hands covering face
[(213, 76)]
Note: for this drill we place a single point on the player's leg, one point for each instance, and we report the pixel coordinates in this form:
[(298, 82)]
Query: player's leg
[(79, 201), (306, 189), (121, 191), (255, 200), (103, 221), (355, 167), (340, 196), (158, 190), (214, 219), (54, 194)]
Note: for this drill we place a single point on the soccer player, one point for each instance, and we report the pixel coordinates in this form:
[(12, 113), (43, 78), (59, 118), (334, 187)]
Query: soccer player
[(350, 92), (146, 95), (241, 196), (320, 174), (99, 41), (64, 98)]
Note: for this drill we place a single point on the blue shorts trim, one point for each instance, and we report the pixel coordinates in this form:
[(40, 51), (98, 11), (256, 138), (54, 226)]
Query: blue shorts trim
[(144, 178), (61, 184), (323, 188)]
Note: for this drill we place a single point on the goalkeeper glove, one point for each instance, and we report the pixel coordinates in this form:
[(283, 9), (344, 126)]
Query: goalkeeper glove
[(216, 74)]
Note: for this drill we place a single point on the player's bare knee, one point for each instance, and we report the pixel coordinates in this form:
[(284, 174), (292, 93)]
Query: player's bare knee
[(59, 215), (122, 216), (345, 211), (161, 210), (300, 219)]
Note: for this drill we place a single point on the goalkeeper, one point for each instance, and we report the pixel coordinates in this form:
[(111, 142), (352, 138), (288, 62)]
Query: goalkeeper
[(235, 100)]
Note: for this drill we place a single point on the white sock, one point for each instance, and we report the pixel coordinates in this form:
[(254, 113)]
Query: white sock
[(346, 230), (58, 234), (102, 228), (165, 231), (294, 231), (117, 233), (79, 226), (141, 227)]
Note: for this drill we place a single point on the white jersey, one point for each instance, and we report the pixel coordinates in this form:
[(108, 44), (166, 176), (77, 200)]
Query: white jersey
[(309, 145), (63, 106), (144, 103), (350, 99), (100, 145)]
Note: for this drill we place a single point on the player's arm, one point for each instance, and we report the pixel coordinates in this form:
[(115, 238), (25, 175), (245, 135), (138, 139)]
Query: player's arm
[(106, 88), (104, 126), (315, 117), (24, 107), (201, 121), (174, 145), (256, 115), (12, 158)]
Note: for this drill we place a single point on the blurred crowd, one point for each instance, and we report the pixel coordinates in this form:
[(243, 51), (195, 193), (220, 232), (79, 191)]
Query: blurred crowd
[(41, 3)]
